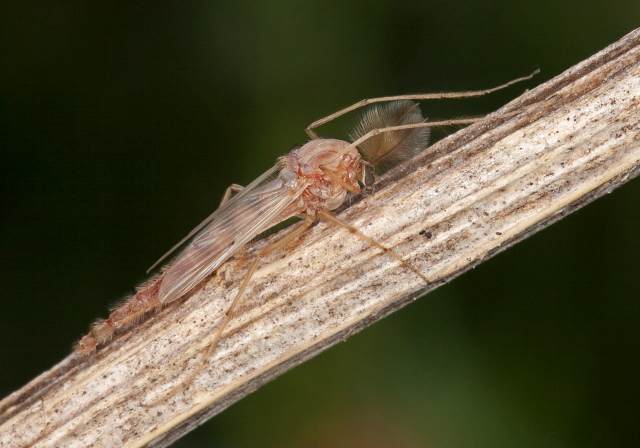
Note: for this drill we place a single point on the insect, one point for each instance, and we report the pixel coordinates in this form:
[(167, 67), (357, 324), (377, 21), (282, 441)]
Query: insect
[(309, 182)]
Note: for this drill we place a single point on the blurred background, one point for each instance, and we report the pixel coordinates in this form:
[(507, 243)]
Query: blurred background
[(121, 125)]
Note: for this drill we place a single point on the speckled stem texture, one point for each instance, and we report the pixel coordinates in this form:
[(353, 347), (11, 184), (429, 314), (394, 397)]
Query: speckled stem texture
[(470, 196)]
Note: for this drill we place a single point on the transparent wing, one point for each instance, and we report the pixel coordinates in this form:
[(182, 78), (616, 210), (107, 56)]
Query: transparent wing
[(256, 208)]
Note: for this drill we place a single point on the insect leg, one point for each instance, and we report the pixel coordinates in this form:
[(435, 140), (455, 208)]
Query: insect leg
[(424, 124), (333, 219), (231, 311), (254, 265), (424, 96), (233, 188)]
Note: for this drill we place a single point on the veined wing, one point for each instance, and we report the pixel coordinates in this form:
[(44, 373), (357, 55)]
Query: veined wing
[(255, 209)]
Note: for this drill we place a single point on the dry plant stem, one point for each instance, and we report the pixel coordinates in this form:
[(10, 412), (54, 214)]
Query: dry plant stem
[(477, 192)]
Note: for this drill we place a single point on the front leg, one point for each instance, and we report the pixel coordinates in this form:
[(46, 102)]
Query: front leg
[(233, 188)]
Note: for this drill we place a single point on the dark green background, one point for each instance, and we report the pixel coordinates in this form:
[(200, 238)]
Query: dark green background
[(121, 125)]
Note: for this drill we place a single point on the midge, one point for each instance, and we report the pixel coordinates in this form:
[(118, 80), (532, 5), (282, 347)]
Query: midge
[(309, 182)]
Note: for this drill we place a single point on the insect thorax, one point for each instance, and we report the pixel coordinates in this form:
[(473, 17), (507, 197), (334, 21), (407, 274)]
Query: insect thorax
[(328, 178)]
